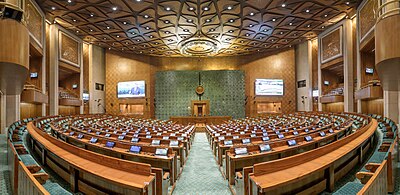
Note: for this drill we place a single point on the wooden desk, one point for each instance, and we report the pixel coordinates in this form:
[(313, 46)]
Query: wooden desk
[(90, 172), (312, 171), (205, 120)]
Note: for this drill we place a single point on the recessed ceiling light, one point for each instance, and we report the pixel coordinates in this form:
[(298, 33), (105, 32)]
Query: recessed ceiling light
[(151, 36), (307, 10), (117, 36), (126, 43), (189, 20), (74, 20), (168, 8), (105, 38), (254, 43), (208, 20), (326, 15), (133, 33), (69, 1), (138, 0), (252, 14), (230, 31), (125, 23), (283, 5), (91, 30), (272, 40), (77, 31), (108, 27), (191, 8), (138, 40), (258, 50), (347, 3), (273, 19), (251, 25), (247, 34), (260, 37), (212, 29), (185, 30), (206, 8), (290, 23), (235, 47), (229, 7), (241, 41), (294, 34), (146, 16), (109, 48), (323, 27), (156, 43), (309, 25), (228, 39), (170, 40), (167, 32), (281, 33), (265, 30), (215, 36), (166, 21), (114, 8), (91, 15), (53, 8), (144, 46), (231, 20), (147, 28)]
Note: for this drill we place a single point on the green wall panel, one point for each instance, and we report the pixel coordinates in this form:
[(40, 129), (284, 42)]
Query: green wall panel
[(176, 89)]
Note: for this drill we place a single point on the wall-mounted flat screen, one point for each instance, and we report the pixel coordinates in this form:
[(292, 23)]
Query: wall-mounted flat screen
[(369, 70), (269, 87), (34, 75), (315, 93), (85, 97), (131, 89)]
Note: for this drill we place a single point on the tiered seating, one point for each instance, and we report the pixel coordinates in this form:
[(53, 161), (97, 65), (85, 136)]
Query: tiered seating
[(377, 176), (27, 177), (126, 138), (65, 94), (275, 137), (316, 170)]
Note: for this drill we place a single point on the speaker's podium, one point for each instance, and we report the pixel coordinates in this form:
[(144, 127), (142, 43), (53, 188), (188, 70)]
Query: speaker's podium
[(200, 116)]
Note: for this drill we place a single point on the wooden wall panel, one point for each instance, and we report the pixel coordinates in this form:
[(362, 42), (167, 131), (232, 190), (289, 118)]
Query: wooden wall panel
[(333, 79), (127, 67), (68, 110), (372, 107), (333, 107), (28, 110)]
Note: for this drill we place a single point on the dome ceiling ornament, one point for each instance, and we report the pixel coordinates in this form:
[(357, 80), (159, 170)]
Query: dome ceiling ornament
[(170, 27)]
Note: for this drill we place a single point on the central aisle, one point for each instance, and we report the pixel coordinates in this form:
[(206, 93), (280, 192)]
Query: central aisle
[(201, 174)]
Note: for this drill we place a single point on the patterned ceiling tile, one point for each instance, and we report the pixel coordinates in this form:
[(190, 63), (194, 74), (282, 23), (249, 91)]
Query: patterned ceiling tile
[(157, 27)]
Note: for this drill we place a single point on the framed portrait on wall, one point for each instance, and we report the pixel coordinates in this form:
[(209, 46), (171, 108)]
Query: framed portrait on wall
[(332, 45), (69, 50)]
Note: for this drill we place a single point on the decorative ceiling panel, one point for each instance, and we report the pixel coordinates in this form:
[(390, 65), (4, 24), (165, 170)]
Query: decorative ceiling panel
[(160, 27)]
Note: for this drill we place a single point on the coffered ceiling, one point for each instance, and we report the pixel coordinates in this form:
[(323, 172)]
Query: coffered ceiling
[(161, 27)]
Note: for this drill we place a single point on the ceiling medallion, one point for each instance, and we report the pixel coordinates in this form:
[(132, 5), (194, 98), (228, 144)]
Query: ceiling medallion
[(199, 47)]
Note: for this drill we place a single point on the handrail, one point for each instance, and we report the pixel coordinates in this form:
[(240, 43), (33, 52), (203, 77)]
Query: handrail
[(381, 13)]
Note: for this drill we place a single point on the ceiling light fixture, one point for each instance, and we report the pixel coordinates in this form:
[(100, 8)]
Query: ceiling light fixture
[(290, 24), (307, 11), (125, 22), (167, 8), (91, 15), (117, 36), (229, 7), (273, 19), (167, 32), (283, 5), (53, 8), (208, 20), (185, 30), (252, 14), (191, 8), (146, 16), (206, 8), (231, 20), (189, 20), (166, 21), (114, 8), (69, 1), (108, 27), (230, 31)]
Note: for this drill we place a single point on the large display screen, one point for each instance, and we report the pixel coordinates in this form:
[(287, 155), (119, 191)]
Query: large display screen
[(131, 89), (269, 86)]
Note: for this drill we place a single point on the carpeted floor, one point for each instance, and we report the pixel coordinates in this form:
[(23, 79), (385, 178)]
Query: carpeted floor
[(201, 174), (5, 187)]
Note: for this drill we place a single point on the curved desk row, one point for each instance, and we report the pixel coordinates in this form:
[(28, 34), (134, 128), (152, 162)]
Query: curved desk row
[(89, 172), (313, 171)]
